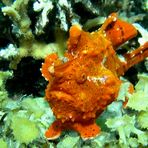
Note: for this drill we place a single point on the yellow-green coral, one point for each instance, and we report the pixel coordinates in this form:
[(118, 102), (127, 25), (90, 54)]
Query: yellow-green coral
[(143, 119), (37, 50), (69, 140), (3, 93), (125, 126), (3, 144), (24, 130), (18, 13), (27, 44), (139, 99)]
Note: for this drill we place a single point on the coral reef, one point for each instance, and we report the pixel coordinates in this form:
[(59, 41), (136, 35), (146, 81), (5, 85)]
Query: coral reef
[(32, 26), (33, 115), (27, 44), (32, 29), (3, 93)]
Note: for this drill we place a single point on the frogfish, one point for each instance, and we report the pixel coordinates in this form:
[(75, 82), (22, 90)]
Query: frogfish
[(84, 82)]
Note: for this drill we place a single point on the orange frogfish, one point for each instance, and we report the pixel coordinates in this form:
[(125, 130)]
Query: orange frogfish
[(86, 80)]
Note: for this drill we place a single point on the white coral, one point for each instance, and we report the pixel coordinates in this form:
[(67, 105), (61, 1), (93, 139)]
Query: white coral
[(143, 32), (8, 52), (45, 6)]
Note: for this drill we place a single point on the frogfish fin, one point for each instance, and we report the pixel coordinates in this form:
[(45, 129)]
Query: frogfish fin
[(87, 130), (48, 65), (54, 131)]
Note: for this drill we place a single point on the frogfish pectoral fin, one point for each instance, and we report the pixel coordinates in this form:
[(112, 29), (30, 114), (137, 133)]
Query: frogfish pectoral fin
[(87, 130), (54, 131), (49, 64)]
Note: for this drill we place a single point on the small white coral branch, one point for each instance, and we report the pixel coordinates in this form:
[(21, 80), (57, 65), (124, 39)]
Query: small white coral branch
[(45, 6), (143, 32), (8, 52)]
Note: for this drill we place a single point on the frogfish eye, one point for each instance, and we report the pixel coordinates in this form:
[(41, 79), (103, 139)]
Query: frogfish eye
[(81, 78)]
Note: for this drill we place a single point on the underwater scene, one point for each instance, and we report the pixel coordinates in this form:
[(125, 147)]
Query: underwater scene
[(73, 73)]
